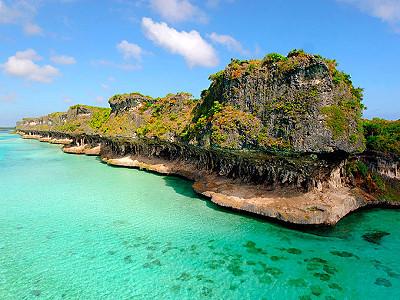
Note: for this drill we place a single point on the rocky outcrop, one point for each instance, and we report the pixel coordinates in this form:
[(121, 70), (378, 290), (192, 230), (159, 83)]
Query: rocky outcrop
[(125, 102), (385, 164), (300, 101), (47, 136)]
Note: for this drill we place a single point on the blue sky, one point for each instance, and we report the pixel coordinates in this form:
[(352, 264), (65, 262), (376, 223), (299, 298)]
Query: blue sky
[(56, 53)]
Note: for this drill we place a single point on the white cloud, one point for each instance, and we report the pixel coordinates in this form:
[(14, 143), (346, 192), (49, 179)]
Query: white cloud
[(63, 60), (195, 50), (28, 54), (228, 41), (178, 10), (130, 50), (386, 10), (33, 29), (20, 12), (22, 65), (8, 15)]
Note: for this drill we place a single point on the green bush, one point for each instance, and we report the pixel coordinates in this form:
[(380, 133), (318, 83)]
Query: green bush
[(382, 135), (274, 57), (335, 120), (99, 117)]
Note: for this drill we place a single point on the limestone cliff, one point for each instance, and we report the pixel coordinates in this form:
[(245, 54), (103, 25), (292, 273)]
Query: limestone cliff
[(300, 102), (281, 137)]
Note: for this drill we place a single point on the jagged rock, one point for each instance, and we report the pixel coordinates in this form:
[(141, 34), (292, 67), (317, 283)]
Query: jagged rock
[(126, 102)]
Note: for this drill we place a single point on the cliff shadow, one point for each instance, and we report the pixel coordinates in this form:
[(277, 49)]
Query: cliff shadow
[(181, 186)]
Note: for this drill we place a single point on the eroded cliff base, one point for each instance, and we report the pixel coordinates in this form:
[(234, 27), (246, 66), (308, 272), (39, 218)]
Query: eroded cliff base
[(317, 207)]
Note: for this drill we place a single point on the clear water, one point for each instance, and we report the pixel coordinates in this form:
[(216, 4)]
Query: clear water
[(74, 228)]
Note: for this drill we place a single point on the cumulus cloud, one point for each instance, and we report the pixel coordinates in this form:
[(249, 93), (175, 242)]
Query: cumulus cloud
[(178, 10), (195, 50), (63, 60), (28, 54), (23, 65), (130, 50), (386, 10), (20, 12), (228, 41)]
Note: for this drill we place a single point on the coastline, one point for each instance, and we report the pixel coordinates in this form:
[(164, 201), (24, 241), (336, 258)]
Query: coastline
[(325, 205)]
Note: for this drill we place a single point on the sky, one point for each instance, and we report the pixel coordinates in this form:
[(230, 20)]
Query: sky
[(56, 53)]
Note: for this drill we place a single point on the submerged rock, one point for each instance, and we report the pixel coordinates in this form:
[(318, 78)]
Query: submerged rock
[(383, 282), (375, 237)]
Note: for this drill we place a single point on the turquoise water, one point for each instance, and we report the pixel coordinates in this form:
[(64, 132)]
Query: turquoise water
[(74, 228)]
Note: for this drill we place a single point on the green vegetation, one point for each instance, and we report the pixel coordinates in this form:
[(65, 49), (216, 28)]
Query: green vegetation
[(99, 117), (233, 129), (292, 107), (55, 115), (68, 127), (118, 98), (89, 107), (380, 186), (217, 76), (273, 58), (382, 135), (336, 120), (167, 117)]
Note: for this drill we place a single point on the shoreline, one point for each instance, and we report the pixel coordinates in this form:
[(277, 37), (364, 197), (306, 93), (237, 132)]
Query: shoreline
[(322, 206)]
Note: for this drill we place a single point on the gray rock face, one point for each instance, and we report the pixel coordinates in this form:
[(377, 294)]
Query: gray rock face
[(384, 164), (77, 111), (125, 102), (49, 120), (293, 99)]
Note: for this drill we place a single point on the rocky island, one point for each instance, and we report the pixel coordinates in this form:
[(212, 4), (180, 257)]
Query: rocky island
[(282, 137)]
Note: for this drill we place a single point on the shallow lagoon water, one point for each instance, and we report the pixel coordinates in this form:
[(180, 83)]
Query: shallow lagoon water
[(74, 228)]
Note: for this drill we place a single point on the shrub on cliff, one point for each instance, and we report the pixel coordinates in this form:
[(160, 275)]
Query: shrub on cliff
[(99, 117), (167, 117), (382, 135)]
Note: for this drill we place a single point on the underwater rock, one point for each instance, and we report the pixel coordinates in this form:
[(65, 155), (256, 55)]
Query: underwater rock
[(375, 236), (344, 254), (383, 282)]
